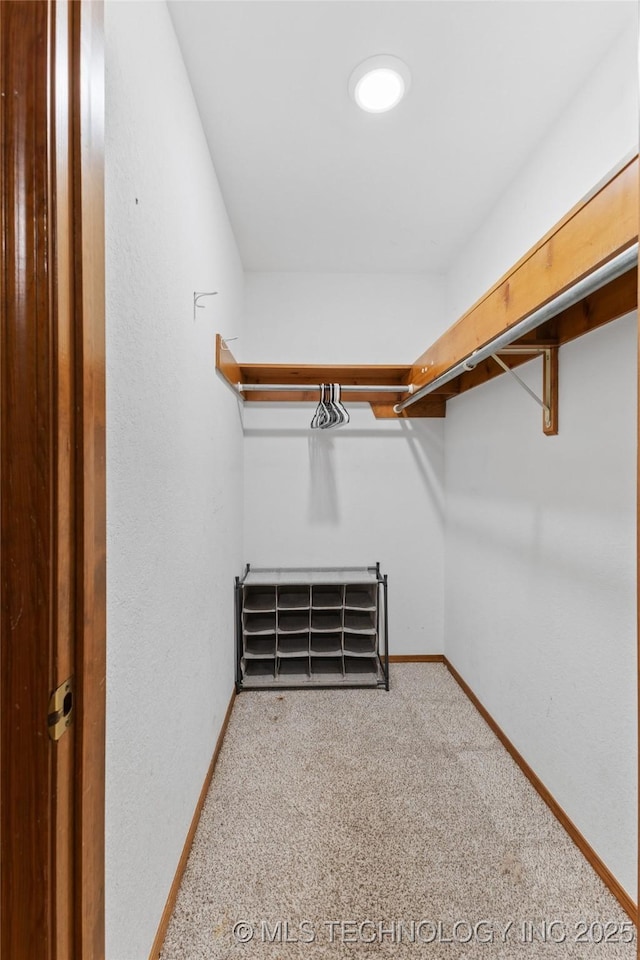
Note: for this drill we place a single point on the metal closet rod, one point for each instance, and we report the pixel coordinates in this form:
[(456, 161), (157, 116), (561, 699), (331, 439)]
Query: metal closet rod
[(349, 387), (616, 267)]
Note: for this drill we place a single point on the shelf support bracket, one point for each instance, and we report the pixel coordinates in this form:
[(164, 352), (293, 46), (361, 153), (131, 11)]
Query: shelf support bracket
[(549, 401)]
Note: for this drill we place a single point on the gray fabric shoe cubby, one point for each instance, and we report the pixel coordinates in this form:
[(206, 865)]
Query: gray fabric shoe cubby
[(311, 627)]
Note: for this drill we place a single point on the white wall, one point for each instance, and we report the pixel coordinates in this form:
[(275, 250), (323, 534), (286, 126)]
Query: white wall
[(589, 139), (371, 491), (174, 449), (540, 612)]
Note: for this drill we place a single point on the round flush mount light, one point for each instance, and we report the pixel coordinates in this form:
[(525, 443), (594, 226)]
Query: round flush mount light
[(379, 83)]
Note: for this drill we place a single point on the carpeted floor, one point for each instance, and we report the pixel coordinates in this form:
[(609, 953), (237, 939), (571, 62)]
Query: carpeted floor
[(359, 823)]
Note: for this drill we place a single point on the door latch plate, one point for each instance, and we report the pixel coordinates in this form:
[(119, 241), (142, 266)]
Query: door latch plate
[(61, 709)]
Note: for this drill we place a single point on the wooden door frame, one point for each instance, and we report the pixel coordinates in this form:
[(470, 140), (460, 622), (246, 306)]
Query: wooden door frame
[(52, 477)]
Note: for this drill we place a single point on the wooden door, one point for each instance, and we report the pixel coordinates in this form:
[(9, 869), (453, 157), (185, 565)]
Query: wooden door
[(52, 495)]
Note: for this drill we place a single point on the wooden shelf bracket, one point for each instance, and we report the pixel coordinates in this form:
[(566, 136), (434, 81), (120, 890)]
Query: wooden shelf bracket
[(549, 401)]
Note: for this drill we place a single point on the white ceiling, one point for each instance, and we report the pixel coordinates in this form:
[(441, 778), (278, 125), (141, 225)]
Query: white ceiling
[(311, 183)]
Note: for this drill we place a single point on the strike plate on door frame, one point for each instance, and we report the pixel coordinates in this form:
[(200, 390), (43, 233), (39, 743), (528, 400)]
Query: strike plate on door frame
[(61, 709)]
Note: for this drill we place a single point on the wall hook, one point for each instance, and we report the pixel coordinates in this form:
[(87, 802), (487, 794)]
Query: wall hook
[(197, 296)]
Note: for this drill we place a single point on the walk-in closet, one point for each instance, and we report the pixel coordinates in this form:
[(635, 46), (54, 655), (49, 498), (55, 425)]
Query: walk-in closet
[(319, 479), (421, 355)]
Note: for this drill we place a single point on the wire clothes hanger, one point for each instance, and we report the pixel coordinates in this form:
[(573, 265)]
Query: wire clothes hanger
[(320, 415), (338, 405), (330, 411)]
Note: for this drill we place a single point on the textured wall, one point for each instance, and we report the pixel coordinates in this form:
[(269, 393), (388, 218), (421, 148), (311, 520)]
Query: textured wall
[(540, 532), (369, 491), (599, 128), (174, 468)]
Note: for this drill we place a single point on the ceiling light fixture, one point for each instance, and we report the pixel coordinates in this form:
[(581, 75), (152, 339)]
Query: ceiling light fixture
[(379, 83)]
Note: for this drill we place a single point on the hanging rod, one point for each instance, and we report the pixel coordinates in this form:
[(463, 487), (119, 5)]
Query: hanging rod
[(608, 272), (348, 387)]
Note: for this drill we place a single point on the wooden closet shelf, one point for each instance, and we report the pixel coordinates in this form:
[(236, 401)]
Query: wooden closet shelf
[(309, 376), (600, 228)]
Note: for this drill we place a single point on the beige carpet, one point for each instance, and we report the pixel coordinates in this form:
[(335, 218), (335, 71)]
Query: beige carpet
[(392, 824)]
